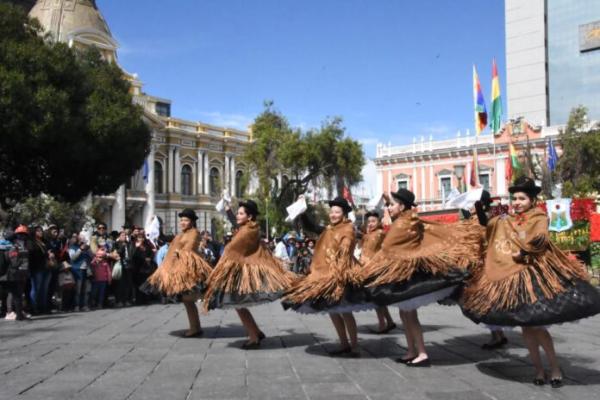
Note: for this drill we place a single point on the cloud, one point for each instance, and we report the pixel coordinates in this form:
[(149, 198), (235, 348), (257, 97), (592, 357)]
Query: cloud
[(237, 121), (368, 141)]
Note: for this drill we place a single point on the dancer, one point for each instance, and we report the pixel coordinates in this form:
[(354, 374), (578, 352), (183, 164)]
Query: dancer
[(527, 281), (369, 245), (328, 286), (247, 274), (419, 263), (183, 272)]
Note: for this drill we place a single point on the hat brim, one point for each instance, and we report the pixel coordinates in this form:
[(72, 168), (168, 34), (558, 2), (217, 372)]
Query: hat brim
[(405, 201), (530, 190), (345, 207)]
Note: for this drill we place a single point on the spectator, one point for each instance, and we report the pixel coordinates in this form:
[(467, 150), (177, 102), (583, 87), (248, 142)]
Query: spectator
[(40, 274), (57, 258), (143, 266), (14, 272), (102, 277), (310, 244), (124, 293), (281, 252), (207, 252), (81, 258), (100, 238)]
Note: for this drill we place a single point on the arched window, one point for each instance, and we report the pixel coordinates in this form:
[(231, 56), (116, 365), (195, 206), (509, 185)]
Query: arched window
[(158, 177), (239, 192), (186, 180), (215, 181)]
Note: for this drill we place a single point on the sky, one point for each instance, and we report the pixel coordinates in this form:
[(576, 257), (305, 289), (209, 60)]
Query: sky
[(392, 69)]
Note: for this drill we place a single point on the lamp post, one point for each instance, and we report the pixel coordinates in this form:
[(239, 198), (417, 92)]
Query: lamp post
[(459, 171)]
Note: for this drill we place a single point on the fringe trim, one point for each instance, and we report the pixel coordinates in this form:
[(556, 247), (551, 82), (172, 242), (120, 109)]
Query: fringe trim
[(549, 270), (180, 274), (231, 276)]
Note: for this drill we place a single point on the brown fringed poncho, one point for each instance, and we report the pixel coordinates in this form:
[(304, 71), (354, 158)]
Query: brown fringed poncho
[(370, 245), (505, 282), (183, 267), (332, 268), (246, 267), (413, 245)]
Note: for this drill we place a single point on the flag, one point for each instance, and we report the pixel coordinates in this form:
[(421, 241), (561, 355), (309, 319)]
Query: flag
[(475, 170), (348, 196), (512, 164), (552, 156), (496, 111), (479, 103), (146, 171)]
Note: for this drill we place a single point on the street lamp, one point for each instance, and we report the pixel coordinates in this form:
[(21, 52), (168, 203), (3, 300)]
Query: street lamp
[(459, 171)]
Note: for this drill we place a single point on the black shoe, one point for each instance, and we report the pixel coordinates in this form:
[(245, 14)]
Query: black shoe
[(556, 383), (383, 331), (419, 364), (251, 345), (539, 382), (404, 360), (495, 345), (339, 352), (261, 336)]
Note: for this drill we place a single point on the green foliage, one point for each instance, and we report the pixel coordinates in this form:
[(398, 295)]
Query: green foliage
[(45, 210), (322, 157), (67, 123), (579, 164)]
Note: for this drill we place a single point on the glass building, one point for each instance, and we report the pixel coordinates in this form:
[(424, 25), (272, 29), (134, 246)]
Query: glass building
[(573, 58)]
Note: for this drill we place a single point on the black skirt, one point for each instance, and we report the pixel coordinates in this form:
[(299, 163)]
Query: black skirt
[(579, 300), (420, 284), (353, 299), (225, 300)]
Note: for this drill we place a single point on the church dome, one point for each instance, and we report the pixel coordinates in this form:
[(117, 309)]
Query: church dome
[(77, 22)]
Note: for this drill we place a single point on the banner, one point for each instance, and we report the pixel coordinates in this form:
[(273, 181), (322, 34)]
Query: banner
[(559, 214), (575, 239)]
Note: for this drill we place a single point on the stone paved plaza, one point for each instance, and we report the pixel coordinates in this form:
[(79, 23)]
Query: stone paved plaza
[(136, 353)]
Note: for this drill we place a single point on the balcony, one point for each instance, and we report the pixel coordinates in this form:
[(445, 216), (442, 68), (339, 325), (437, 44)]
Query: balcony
[(431, 145)]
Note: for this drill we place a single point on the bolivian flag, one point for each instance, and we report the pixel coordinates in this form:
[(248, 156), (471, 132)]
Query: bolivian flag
[(512, 164), (479, 103), (496, 112)]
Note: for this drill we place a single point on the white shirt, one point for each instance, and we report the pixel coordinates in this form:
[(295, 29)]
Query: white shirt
[(281, 251)]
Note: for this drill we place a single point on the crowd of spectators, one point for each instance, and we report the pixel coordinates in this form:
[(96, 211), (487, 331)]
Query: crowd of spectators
[(43, 271)]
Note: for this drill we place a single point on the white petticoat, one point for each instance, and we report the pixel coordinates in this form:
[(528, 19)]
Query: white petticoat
[(423, 300)]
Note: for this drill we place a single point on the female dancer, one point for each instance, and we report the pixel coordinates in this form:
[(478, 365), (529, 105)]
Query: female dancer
[(183, 272), (527, 281), (419, 263), (369, 245), (246, 274), (327, 288)]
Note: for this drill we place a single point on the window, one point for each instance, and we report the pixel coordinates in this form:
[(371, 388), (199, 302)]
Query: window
[(163, 109), (403, 184), (238, 184), (186, 180), (445, 185), (484, 181), (215, 184), (158, 177)]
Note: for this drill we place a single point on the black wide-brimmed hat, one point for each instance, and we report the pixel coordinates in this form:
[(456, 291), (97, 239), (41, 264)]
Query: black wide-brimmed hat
[(486, 198), (371, 214), (188, 213), (341, 202), (526, 185), (250, 206), (405, 196)]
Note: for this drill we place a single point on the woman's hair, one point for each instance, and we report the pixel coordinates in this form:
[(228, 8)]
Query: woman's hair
[(250, 214)]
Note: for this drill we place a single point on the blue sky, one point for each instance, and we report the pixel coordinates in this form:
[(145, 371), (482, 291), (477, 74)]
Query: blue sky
[(393, 69)]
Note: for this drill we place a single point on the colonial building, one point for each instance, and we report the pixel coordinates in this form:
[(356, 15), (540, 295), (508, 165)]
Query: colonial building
[(431, 169), (190, 163)]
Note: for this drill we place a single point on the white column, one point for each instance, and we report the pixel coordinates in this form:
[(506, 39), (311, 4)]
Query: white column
[(177, 171), (416, 182), (233, 176), (150, 189), (206, 181), (226, 173), (432, 194), (467, 177), (170, 168), (118, 209), (423, 183), (500, 177)]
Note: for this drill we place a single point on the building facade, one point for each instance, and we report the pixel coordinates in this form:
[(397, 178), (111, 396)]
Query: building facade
[(432, 169), (552, 59), (190, 163)]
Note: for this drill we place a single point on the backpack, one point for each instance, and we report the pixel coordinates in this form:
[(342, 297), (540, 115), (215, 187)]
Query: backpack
[(18, 261)]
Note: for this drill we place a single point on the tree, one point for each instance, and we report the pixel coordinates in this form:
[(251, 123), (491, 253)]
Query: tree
[(579, 164), (27, 5), (68, 126), (323, 158)]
